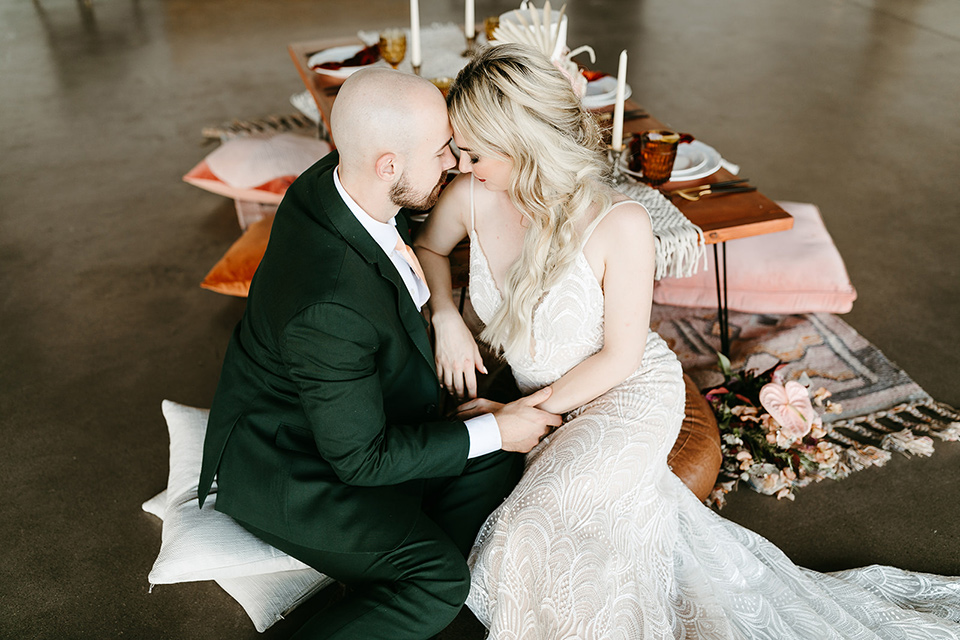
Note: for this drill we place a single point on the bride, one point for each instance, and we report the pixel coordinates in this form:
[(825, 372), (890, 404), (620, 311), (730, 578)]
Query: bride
[(600, 540)]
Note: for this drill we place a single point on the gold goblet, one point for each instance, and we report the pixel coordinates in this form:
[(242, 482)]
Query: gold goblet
[(490, 25), (393, 46), (443, 84)]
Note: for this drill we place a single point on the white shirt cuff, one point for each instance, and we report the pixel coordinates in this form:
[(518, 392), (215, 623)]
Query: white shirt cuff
[(484, 435)]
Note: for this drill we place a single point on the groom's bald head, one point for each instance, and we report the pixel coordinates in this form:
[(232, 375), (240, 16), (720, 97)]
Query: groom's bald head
[(393, 135), (381, 111)]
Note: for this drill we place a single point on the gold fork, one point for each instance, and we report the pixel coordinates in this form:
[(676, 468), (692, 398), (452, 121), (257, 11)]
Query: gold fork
[(718, 188)]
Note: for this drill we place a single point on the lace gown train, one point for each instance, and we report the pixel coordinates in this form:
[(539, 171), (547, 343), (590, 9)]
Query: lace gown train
[(600, 541)]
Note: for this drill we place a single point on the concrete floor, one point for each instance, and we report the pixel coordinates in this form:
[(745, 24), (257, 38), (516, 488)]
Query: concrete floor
[(851, 104)]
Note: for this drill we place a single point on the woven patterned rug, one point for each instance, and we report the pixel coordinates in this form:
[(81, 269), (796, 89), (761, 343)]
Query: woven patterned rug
[(882, 406)]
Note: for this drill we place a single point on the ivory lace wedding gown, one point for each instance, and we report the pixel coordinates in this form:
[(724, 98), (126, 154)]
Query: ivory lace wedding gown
[(601, 541)]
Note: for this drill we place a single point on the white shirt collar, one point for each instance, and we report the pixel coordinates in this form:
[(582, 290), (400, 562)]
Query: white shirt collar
[(383, 233)]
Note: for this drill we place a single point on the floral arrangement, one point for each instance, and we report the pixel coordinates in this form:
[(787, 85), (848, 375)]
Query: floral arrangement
[(772, 434)]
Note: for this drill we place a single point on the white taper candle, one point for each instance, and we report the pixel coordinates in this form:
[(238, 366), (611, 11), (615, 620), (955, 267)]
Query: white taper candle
[(468, 24), (416, 57), (617, 137)]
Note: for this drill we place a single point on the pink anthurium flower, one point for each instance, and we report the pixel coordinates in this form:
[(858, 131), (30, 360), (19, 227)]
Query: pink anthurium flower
[(789, 404)]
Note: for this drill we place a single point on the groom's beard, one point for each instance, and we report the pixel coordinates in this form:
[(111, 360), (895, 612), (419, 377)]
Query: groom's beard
[(403, 195)]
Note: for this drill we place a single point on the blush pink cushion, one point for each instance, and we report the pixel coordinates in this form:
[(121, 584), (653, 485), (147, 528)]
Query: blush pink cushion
[(257, 168), (795, 271), (268, 193)]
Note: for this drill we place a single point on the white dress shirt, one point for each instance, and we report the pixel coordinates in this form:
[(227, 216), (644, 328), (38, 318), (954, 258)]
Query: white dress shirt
[(483, 430), (385, 234)]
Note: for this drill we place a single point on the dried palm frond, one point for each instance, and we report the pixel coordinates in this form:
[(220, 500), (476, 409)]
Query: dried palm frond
[(270, 124), (537, 30)]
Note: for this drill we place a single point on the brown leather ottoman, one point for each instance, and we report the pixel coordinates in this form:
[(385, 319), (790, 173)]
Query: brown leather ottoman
[(696, 456)]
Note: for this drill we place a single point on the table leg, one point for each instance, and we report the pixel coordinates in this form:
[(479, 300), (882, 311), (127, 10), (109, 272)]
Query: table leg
[(723, 312)]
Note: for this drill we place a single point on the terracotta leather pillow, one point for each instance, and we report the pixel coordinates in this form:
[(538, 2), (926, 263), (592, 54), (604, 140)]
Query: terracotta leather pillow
[(696, 456), (795, 271), (233, 272)]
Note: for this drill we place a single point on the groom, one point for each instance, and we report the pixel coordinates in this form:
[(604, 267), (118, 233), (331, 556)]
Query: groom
[(324, 433)]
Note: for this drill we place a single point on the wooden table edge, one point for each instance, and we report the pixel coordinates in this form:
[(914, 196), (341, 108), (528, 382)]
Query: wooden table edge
[(300, 52)]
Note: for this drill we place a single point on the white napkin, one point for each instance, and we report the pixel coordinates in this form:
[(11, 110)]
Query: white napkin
[(305, 104), (729, 166)]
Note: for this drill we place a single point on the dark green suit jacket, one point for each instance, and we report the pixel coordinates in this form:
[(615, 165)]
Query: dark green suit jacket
[(325, 419)]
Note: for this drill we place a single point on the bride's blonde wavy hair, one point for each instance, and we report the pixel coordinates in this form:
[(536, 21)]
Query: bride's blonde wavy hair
[(511, 102)]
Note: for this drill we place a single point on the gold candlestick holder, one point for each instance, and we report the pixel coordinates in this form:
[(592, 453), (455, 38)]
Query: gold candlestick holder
[(615, 156), (471, 49)]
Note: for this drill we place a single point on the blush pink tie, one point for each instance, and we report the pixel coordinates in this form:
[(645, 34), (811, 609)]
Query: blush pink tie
[(410, 257)]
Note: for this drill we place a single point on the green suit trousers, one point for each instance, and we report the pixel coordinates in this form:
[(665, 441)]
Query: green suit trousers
[(414, 591)]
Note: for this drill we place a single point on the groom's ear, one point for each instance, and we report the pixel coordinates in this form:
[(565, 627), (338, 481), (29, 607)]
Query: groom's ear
[(388, 167)]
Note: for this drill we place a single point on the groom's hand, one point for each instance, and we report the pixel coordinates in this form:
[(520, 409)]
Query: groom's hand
[(522, 425)]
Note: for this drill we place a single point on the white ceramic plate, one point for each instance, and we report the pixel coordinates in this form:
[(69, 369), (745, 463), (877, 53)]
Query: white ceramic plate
[(694, 160), (336, 54), (689, 160), (602, 92)]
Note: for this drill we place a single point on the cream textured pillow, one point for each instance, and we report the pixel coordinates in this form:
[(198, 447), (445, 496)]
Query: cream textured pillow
[(795, 271), (268, 597), (156, 505), (203, 544), (257, 168), (246, 162)]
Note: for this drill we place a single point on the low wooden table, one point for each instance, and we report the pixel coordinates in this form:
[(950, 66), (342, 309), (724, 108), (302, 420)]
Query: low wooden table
[(721, 217)]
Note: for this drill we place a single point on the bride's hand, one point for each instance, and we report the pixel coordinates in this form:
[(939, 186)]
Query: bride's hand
[(457, 356)]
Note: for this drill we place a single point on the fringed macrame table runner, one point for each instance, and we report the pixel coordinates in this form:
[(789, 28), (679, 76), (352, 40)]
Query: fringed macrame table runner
[(883, 409), (681, 248)]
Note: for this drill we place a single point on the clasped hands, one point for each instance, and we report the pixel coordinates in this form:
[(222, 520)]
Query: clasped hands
[(522, 424)]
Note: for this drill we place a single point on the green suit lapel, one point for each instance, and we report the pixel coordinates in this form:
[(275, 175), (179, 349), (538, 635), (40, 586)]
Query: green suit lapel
[(357, 237)]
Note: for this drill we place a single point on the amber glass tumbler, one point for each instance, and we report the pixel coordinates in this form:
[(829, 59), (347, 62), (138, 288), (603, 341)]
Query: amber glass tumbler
[(653, 153)]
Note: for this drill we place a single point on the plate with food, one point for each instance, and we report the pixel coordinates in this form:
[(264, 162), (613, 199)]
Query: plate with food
[(341, 62)]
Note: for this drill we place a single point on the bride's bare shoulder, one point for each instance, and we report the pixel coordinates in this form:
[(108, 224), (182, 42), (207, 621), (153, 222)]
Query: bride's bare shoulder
[(627, 222), (458, 188), (625, 214), (455, 197)]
